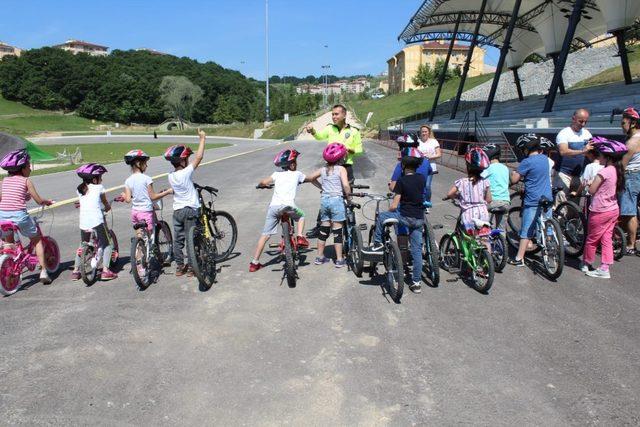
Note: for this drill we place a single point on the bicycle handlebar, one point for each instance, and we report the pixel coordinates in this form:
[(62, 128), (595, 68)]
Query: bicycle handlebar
[(264, 187), (206, 188), (360, 187)]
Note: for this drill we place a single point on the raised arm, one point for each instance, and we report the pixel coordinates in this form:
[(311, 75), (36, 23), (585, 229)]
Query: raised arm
[(200, 153)]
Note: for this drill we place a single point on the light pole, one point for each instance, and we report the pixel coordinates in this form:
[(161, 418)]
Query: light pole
[(266, 38), (325, 79)]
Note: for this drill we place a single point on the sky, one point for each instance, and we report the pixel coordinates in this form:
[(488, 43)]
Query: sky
[(360, 35)]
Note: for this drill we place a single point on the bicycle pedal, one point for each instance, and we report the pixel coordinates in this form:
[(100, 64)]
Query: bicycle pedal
[(452, 280), (454, 271)]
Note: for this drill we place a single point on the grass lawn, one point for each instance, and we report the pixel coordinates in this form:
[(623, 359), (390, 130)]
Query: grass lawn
[(280, 130), (30, 125), (11, 107), (397, 106), (614, 74)]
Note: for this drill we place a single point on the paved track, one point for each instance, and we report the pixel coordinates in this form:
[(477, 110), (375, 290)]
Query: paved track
[(333, 351)]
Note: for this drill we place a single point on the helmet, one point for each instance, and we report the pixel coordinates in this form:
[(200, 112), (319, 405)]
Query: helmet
[(547, 144), (528, 141), (334, 152), (609, 146), (15, 160), (177, 152), (477, 158), (411, 152), (407, 140), (631, 113), (492, 151), (283, 158), (135, 154), (91, 170)]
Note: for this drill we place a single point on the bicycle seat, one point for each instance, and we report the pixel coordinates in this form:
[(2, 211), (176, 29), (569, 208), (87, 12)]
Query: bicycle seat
[(286, 210), (7, 226), (139, 225), (479, 224), (498, 210), (545, 203), (390, 221), (556, 190)]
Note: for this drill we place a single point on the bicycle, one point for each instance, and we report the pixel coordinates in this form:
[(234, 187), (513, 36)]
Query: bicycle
[(467, 254), (90, 256), (430, 264), (498, 239), (391, 258), (15, 259), (548, 238), (352, 241), (619, 236)]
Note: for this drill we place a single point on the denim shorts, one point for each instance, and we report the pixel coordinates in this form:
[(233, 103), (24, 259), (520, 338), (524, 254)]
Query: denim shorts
[(273, 219), (25, 223), (529, 220), (629, 196), (332, 209)]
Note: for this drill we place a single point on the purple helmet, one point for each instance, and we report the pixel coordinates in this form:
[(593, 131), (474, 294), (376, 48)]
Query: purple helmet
[(609, 146), (15, 160), (91, 170)]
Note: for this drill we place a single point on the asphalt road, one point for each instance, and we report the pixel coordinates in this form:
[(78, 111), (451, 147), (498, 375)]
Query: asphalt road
[(333, 351)]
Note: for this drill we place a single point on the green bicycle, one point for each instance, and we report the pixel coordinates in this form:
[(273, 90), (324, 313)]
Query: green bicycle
[(467, 255)]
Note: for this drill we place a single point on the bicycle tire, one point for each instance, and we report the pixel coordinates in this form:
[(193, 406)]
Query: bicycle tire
[(354, 254), (619, 243), (289, 262), (164, 243), (394, 274), (573, 225), (115, 248), (430, 267), (499, 245), (10, 282), (373, 266), (202, 257), (557, 252), (140, 263), (51, 254), (449, 254), (89, 274), (484, 260), (225, 238)]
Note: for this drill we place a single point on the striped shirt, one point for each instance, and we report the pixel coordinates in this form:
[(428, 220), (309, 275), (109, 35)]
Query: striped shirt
[(472, 201), (14, 193)]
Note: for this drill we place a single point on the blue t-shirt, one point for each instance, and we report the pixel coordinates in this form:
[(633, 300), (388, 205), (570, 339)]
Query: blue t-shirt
[(498, 176), (573, 165), (535, 172), (424, 170)]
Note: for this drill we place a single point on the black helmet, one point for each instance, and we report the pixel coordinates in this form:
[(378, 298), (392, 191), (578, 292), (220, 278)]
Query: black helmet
[(528, 142), (492, 151)]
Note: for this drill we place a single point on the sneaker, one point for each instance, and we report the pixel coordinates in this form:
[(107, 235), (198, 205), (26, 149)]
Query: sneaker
[(416, 287), (321, 260), (75, 276), (303, 242), (180, 270), (376, 248), (599, 274), (516, 262), (44, 277), (254, 267), (585, 268), (313, 233), (108, 275), (189, 271), (341, 263)]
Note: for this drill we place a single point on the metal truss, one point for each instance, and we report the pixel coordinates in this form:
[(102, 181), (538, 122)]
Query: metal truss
[(463, 37)]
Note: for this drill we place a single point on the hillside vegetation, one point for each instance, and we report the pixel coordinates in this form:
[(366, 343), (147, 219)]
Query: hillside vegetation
[(614, 74)]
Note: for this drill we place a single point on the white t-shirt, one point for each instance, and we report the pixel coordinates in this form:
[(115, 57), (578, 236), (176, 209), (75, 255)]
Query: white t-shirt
[(590, 172), (428, 148), (285, 187), (570, 165), (552, 171), (91, 207), (184, 193), (140, 199)]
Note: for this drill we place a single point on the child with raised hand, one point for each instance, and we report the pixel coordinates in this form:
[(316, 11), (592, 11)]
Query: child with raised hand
[(285, 186), (604, 209), (92, 198), (17, 189), (185, 196), (334, 184), (498, 176)]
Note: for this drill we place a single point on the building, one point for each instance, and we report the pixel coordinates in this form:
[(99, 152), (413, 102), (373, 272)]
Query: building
[(6, 50), (403, 66), (336, 88), (79, 46)]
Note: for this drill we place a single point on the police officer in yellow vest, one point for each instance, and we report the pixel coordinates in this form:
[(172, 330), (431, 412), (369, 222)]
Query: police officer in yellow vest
[(343, 133)]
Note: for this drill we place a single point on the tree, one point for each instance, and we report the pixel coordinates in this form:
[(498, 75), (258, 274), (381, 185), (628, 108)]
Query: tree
[(179, 96), (424, 76)]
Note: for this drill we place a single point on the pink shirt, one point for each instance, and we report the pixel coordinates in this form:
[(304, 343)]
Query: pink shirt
[(471, 198), (14, 193), (605, 198)]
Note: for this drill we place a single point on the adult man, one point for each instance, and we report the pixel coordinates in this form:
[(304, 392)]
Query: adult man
[(343, 133), (631, 165), (573, 142)]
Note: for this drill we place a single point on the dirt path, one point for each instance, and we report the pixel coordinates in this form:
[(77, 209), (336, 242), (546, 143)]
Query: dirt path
[(322, 121)]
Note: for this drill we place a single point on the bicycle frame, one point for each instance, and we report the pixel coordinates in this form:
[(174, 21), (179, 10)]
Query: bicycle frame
[(23, 257)]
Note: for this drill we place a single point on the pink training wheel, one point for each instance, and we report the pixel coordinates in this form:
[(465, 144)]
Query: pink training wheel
[(51, 254), (10, 278)]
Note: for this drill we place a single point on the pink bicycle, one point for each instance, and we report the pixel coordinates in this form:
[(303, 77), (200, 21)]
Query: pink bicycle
[(16, 259)]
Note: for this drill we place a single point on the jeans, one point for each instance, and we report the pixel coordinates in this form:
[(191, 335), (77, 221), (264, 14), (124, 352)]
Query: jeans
[(529, 222), (183, 220), (427, 188), (628, 198), (415, 238)]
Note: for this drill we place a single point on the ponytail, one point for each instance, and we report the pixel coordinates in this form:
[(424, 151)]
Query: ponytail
[(620, 174), (84, 187)]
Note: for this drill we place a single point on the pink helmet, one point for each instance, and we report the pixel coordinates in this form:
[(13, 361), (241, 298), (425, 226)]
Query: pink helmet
[(15, 160), (609, 146), (334, 152), (91, 170)]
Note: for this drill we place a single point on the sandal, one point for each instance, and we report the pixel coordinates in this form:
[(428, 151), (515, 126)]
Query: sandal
[(630, 251)]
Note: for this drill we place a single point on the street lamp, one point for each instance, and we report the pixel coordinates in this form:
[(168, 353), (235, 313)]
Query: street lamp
[(325, 93), (266, 38)]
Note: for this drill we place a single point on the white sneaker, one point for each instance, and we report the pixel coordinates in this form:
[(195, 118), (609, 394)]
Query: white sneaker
[(416, 287), (44, 277), (585, 268), (599, 274)]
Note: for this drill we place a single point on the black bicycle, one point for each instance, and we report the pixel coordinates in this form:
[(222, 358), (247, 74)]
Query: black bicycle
[(352, 241), (430, 252)]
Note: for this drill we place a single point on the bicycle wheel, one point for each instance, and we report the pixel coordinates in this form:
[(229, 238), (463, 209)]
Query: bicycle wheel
[(514, 221), (430, 267), (553, 250), (573, 225), (619, 242), (394, 270), (115, 248), (10, 278), (373, 266), (202, 257), (164, 243), (354, 255), (225, 231), (499, 251), (51, 254), (483, 275), (449, 254), (88, 272), (289, 262), (140, 264)]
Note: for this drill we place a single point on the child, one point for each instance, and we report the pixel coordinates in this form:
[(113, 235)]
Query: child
[(547, 146), (409, 195), (185, 197), (138, 190), (473, 192), (498, 176), (92, 197), (590, 171), (285, 183), (534, 170), (334, 185), (17, 189), (604, 210), (424, 169)]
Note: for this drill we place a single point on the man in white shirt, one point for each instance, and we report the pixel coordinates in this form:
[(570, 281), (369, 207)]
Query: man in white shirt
[(573, 142)]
